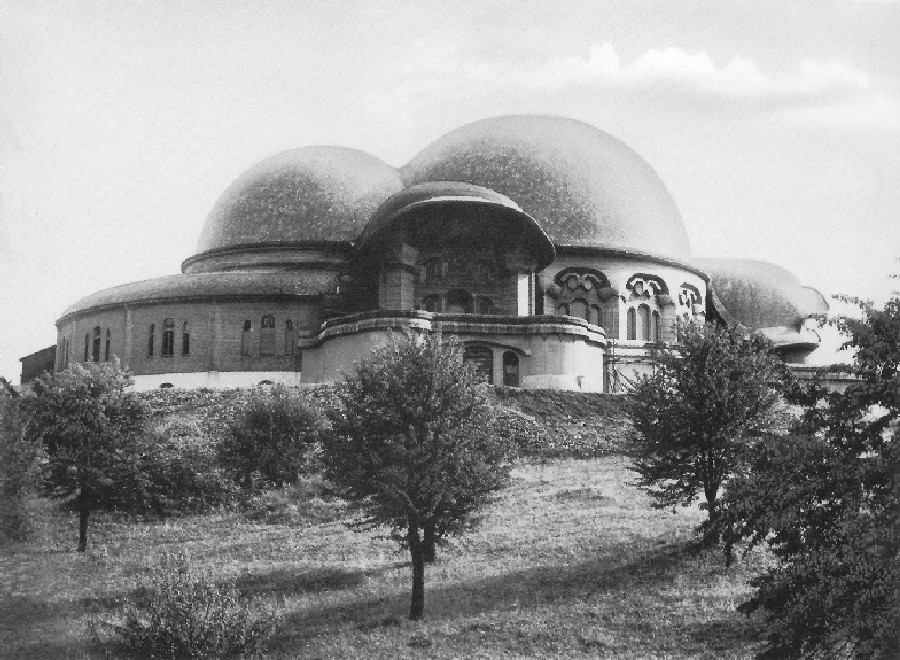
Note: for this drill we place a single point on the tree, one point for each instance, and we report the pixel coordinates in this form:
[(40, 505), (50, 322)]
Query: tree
[(413, 448), (86, 422), (695, 411), (273, 438), (827, 503)]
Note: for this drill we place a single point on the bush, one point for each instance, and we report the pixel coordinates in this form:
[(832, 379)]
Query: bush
[(183, 613), (172, 475), (273, 441), (308, 501), (19, 468)]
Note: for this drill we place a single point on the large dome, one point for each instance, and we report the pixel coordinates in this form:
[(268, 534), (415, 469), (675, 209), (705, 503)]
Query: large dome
[(584, 187), (307, 194)]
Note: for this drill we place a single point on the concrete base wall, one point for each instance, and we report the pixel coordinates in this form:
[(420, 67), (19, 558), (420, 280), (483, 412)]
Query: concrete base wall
[(551, 352)]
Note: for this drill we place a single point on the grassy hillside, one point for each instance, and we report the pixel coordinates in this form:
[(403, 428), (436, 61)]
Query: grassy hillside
[(569, 561), (541, 422)]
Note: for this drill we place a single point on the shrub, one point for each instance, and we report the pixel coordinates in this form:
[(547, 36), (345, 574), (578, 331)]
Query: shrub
[(273, 441), (19, 469), (307, 501), (173, 475), (183, 613)]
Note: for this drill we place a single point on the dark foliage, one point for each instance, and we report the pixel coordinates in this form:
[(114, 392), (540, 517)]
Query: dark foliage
[(274, 440), (413, 447), (165, 475), (19, 470), (695, 412), (827, 503)]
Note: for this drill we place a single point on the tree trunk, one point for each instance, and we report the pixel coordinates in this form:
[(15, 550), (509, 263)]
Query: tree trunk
[(711, 536), (428, 543), (417, 600), (83, 512)]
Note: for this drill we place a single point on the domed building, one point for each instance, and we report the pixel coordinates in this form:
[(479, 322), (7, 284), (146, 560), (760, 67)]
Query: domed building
[(548, 248)]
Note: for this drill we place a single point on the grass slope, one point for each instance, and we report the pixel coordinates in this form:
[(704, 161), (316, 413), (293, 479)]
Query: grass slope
[(570, 562)]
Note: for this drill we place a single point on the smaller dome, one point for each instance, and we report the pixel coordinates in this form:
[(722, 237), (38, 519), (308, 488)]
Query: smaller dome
[(309, 194), (505, 219), (758, 294)]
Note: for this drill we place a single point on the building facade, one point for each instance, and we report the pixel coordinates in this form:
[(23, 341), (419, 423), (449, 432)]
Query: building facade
[(548, 248)]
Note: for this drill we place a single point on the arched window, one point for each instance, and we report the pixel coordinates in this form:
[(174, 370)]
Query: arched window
[(596, 315), (108, 342), (562, 310), (168, 338), (644, 314), (186, 338), (289, 337), (579, 308), (95, 354), (87, 346), (267, 335), (432, 303), (459, 302), (631, 324), (246, 334), (510, 369), (150, 340), (483, 359), (433, 270), (654, 327), (486, 305)]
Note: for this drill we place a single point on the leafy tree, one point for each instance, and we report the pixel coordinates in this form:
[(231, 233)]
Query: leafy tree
[(273, 438), (695, 411), (827, 503), (18, 470), (413, 448), (86, 422)]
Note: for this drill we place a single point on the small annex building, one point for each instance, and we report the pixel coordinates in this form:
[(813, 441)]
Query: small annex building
[(550, 249)]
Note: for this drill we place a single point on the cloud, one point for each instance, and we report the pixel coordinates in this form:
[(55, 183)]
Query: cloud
[(739, 78)]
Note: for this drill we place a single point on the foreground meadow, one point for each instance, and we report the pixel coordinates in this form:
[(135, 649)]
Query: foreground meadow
[(569, 562)]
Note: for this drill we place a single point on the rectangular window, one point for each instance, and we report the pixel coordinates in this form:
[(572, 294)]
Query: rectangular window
[(168, 343), (95, 353), (267, 336)]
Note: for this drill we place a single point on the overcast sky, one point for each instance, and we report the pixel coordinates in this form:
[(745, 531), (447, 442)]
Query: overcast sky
[(776, 126)]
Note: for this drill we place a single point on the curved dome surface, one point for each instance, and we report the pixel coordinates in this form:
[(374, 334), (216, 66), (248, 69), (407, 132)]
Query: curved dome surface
[(307, 194), (507, 218), (202, 285), (759, 294), (583, 186)]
